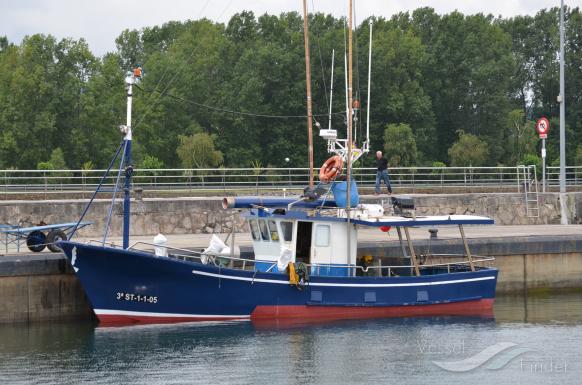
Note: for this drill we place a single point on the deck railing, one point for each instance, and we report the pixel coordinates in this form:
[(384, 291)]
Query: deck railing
[(315, 269), (267, 180), (390, 270)]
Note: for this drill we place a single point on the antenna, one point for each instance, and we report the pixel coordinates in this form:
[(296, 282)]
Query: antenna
[(346, 80), (367, 142), (331, 91), (131, 78)]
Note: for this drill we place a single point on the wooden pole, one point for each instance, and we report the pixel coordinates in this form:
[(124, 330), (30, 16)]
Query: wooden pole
[(466, 246), (308, 84), (412, 253)]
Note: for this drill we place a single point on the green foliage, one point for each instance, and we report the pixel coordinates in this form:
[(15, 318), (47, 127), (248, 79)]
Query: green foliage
[(578, 157), (438, 164), (435, 74), (469, 150), (399, 145), (257, 167), (197, 151), (151, 162), (521, 136), (532, 159), (56, 162), (87, 166)]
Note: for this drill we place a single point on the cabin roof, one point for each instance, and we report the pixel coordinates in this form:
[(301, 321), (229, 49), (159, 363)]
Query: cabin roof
[(395, 221)]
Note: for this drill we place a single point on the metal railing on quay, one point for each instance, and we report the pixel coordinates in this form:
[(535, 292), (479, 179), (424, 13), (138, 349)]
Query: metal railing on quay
[(264, 180)]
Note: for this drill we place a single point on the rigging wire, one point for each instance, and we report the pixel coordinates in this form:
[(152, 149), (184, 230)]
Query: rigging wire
[(166, 71), (234, 112), (224, 10), (101, 181), (203, 9), (358, 93), (316, 33)]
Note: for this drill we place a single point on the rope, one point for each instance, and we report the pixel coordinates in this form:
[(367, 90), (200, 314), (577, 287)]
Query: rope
[(358, 93), (115, 190), (234, 112), (166, 71), (121, 145), (316, 33)]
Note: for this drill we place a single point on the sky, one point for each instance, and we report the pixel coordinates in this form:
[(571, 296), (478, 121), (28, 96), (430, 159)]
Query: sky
[(99, 22)]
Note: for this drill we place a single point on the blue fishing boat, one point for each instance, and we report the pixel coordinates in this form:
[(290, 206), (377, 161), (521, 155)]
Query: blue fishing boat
[(304, 266), (320, 279)]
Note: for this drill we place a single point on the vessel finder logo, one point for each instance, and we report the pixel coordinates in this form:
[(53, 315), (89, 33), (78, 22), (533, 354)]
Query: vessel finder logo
[(495, 356)]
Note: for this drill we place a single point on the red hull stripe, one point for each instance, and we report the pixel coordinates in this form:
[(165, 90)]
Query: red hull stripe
[(482, 307)]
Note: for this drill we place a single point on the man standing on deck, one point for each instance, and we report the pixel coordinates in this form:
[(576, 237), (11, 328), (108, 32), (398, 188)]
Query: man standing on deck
[(382, 173)]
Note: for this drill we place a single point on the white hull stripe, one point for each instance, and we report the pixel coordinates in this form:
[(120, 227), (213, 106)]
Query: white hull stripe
[(280, 282), (167, 315)]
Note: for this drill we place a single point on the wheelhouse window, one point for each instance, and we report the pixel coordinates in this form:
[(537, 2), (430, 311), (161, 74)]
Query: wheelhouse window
[(255, 230), (287, 229), (264, 230), (322, 235), (273, 231)]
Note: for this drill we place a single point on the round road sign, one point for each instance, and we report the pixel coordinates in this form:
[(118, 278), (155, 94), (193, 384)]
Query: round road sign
[(542, 127)]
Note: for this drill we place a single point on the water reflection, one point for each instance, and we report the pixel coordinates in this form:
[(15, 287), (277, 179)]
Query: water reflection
[(561, 308), (371, 351)]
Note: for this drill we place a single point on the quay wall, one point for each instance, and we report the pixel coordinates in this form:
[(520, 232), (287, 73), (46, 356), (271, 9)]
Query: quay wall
[(193, 215), (40, 288)]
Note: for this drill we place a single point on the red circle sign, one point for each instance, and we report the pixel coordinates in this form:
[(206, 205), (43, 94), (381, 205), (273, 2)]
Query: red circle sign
[(543, 126)]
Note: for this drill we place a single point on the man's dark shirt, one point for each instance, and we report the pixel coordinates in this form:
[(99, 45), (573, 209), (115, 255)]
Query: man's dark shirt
[(382, 163)]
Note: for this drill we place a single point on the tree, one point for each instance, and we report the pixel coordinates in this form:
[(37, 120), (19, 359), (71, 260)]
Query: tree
[(151, 162), (56, 162), (578, 157), (198, 151), (469, 150), (399, 145), (521, 137)]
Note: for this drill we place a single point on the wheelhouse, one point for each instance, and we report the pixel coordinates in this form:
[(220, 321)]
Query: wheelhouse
[(318, 243)]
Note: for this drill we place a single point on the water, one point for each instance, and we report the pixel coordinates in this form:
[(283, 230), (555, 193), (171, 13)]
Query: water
[(547, 332)]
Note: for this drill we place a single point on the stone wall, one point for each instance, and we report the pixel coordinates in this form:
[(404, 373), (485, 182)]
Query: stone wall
[(148, 217), (205, 215), (505, 208)]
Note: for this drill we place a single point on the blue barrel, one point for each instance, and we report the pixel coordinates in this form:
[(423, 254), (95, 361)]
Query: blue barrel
[(340, 192)]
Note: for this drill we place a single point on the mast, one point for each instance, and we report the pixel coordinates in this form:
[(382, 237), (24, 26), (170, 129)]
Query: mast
[(331, 91), (349, 143), (129, 81), (367, 142), (308, 84)]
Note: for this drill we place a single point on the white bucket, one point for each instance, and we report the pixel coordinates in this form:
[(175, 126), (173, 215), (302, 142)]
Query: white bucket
[(160, 242)]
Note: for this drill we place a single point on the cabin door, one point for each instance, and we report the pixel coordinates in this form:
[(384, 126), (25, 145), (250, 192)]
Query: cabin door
[(321, 244), (303, 243)]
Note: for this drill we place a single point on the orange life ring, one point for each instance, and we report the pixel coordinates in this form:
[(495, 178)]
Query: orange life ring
[(331, 169)]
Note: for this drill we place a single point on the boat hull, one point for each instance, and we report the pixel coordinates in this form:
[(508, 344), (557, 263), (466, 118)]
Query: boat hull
[(127, 287)]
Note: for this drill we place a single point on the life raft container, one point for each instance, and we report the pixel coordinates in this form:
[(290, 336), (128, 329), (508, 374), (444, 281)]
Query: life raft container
[(331, 169)]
